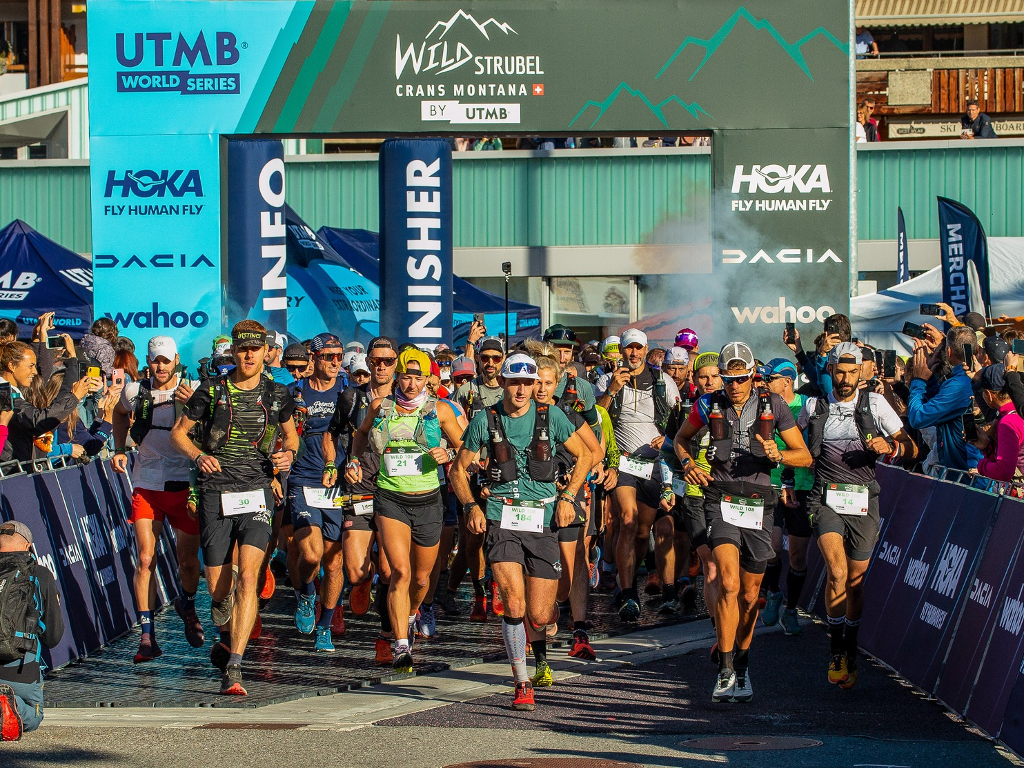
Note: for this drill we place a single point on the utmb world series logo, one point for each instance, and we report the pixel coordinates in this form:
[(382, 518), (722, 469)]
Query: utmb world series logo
[(156, 63)]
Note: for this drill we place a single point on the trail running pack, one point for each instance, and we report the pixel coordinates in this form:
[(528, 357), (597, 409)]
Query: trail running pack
[(20, 610)]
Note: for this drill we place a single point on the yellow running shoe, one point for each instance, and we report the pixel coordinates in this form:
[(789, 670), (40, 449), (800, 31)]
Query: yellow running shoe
[(851, 668), (543, 678), (838, 672)]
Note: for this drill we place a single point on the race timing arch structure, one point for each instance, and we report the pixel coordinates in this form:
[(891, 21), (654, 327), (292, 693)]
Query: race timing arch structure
[(189, 100)]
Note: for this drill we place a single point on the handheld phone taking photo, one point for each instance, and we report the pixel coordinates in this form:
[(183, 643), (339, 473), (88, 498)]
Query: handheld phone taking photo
[(55, 342), (790, 332), (93, 371), (968, 355), (889, 364), (6, 402), (933, 310), (914, 331), (478, 317), (118, 378)]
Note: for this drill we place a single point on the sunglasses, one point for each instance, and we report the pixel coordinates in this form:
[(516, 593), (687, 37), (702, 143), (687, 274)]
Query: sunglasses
[(382, 362), (329, 357), (563, 334), (520, 368), (462, 379), (491, 358), (296, 368), (741, 379)]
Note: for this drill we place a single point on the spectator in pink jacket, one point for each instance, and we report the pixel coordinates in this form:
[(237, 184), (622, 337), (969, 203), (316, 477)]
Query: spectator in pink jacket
[(1004, 453)]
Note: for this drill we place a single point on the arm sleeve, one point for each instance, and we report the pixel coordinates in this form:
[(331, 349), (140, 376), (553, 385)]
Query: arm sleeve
[(1003, 463), (944, 405), (52, 617)]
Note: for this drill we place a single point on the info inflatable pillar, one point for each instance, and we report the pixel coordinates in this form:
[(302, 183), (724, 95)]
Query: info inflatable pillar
[(416, 241), (255, 281)]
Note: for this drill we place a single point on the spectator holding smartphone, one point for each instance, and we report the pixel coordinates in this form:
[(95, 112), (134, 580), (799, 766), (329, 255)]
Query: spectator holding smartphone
[(1003, 442)]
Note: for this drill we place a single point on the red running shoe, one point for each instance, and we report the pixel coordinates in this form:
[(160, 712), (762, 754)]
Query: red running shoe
[(383, 650), (338, 621), (257, 628), (148, 650), (231, 682), (269, 585), (497, 606), (10, 721), (360, 595), (581, 648), (524, 697), (479, 609)]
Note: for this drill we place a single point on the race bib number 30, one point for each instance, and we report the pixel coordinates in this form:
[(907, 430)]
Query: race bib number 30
[(636, 467), (743, 512), (402, 462), (847, 499), (524, 516), (243, 502)]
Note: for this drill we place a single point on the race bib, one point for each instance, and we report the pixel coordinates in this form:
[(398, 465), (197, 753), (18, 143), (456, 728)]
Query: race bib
[(402, 462), (642, 468), (523, 516), (322, 498), (743, 512), (243, 502), (678, 485), (847, 499), (363, 507)]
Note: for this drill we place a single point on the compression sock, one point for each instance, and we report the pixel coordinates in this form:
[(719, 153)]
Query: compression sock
[(309, 588), (234, 658), (146, 622), (725, 660), (794, 586), (540, 650), (852, 627), (739, 659), (188, 601), (478, 588), (771, 576), (326, 615), (514, 633), (380, 605), (835, 632)]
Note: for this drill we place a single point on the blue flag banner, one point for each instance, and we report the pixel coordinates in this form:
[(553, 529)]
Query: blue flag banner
[(416, 240), (962, 241), (902, 257)]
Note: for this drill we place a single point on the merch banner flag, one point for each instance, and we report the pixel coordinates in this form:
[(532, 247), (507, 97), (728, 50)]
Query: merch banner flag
[(902, 257), (255, 279), (416, 240), (962, 241)]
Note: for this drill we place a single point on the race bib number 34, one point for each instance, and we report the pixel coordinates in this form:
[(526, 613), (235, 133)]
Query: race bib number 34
[(743, 512), (847, 499), (243, 502)]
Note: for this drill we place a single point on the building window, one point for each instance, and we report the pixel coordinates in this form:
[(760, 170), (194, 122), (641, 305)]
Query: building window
[(594, 307)]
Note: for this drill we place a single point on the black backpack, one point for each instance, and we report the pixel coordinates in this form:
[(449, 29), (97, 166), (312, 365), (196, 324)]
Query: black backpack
[(19, 613)]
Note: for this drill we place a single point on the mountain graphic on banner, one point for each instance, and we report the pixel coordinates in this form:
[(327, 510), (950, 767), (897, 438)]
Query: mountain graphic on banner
[(639, 99), (481, 27), (793, 49)]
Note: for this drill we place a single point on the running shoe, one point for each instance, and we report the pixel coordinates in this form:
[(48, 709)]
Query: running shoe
[(654, 584), (851, 667), (11, 726), (220, 611), (688, 598), (360, 596), (725, 686), (668, 607), (595, 575), (606, 582), (269, 585), (772, 606), (551, 630), (479, 609), (762, 600), (497, 607), (838, 671), (542, 678), (219, 656), (742, 692), (231, 682), (193, 628), (694, 569), (523, 699), (426, 624), (305, 614), (257, 628), (148, 649), (323, 642), (449, 603), (403, 661), (630, 611), (581, 648), (338, 620), (382, 648), (791, 622)]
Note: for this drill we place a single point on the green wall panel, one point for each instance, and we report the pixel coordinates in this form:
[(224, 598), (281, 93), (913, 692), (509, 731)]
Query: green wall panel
[(52, 196)]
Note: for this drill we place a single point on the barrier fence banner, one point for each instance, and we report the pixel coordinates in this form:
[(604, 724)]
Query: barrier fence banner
[(18, 502), (969, 648)]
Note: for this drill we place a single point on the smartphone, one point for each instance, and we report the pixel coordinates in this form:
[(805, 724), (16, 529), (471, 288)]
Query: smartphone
[(622, 364), (914, 331), (55, 342), (478, 317), (6, 403), (879, 358), (1017, 347), (931, 309), (855, 340), (889, 364), (968, 356), (790, 332), (830, 325), (93, 370), (118, 379)]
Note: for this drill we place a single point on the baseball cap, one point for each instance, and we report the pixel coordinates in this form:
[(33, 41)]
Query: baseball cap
[(633, 336), (677, 356), (996, 348), (441, 348), (220, 341), (687, 338), (358, 363), (561, 336), (322, 341), (463, 366), (414, 361), (12, 527), (382, 342), (296, 352), (347, 358), (275, 339), (353, 345), (249, 338), (591, 358), (162, 346), (704, 359), (780, 366), (974, 320), (492, 343), (612, 344), (843, 350), (519, 366), (993, 377), (733, 351)]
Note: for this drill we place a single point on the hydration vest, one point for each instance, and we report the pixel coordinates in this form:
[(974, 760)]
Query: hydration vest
[(144, 406), (723, 448), (428, 427), (218, 426), (540, 470), (661, 406), (570, 399), (862, 416)]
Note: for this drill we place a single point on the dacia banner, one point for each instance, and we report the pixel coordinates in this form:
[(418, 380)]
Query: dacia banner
[(254, 272), (771, 80), (416, 241)]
